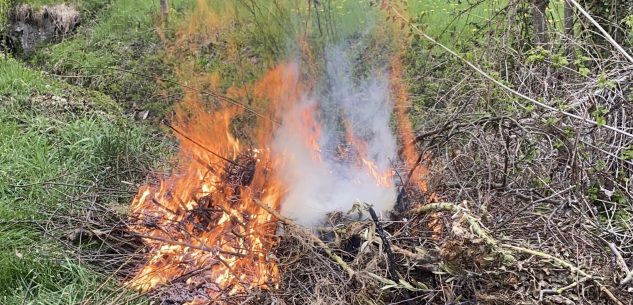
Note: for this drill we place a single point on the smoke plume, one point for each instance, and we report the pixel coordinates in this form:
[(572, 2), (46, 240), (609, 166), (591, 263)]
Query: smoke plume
[(336, 144)]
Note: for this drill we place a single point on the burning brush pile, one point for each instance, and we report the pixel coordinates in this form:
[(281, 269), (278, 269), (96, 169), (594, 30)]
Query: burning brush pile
[(311, 208), (211, 231), (318, 206)]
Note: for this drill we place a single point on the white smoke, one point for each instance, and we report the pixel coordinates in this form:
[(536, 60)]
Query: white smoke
[(325, 180)]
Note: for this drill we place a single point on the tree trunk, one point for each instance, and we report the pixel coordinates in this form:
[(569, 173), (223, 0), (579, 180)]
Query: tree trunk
[(539, 21), (164, 9), (569, 28)]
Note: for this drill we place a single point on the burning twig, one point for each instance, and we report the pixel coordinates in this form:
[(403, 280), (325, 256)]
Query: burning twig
[(182, 134), (201, 248)]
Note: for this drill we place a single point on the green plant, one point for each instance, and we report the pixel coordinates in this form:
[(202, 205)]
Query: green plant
[(50, 155), (599, 115), (605, 83)]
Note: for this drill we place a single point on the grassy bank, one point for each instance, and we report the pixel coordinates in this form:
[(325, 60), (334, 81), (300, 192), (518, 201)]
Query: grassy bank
[(60, 147), (117, 51)]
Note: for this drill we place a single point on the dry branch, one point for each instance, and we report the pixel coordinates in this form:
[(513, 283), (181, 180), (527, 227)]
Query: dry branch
[(450, 207), (337, 259), (622, 264), (480, 231), (391, 261)]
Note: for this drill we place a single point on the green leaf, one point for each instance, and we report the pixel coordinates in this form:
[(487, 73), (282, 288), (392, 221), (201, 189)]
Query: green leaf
[(584, 71)]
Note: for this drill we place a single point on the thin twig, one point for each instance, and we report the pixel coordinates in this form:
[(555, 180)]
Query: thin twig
[(213, 251), (504, 86), (202, 146)]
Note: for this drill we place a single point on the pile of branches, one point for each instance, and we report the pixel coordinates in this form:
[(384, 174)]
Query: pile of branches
[(402, 262), (538, 139)]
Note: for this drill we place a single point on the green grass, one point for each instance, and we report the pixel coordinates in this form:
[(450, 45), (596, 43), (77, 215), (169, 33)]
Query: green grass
[(29, 276), (451, 21), (50, 156), (118, 34)]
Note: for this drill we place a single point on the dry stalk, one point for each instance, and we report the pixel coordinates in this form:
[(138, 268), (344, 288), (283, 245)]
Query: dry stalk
[(334, 257), (412, 255), (622, 264), (478, 229), (450, 207)]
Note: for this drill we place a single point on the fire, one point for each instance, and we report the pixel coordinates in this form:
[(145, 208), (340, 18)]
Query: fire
[(405, 129), (205, 217), (409, 152), (204, 225), (412, 158), (204, 220), (312, 131)]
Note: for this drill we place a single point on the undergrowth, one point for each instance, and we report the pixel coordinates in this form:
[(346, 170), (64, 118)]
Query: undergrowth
[(116, 51), (56, 160)]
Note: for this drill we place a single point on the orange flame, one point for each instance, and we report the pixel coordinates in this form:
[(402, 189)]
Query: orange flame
[(204, 225), (405, 129), (204, 219), (410, 152)]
